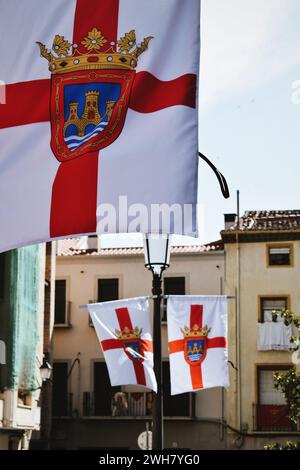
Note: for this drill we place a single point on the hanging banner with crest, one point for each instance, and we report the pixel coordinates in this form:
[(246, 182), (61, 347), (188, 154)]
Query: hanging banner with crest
[(99, 130), (197, 331), (124, 331)]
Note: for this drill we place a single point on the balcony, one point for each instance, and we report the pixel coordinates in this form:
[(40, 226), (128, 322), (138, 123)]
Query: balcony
[(271, 418), (136, 405), (16, 415), (274, 336), (122, 404)]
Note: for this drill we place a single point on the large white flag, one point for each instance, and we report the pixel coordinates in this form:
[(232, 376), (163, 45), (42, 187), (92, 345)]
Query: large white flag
[(125, 334), (197, 330), (98, 118)]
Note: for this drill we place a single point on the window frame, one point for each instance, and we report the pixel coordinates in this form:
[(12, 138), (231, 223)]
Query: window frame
[(271, 367), (164, 303), (112, 388), (280, 245), (107, 278), (285, 297), (67, 323), (99, 278), (69, 388), (262, 366)]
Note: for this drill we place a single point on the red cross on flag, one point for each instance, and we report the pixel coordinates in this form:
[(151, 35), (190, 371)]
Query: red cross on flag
[(100, 114), (124, 331), (197, 330)]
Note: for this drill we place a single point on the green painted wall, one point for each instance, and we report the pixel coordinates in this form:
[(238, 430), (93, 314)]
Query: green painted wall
[(19, 318)]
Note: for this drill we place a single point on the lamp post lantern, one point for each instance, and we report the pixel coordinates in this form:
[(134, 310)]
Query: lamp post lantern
[(45, 369), (157, 260)]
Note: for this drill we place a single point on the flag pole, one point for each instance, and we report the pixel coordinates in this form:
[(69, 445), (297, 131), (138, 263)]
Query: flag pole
[(153, 297), (157, 259), (157, 406)]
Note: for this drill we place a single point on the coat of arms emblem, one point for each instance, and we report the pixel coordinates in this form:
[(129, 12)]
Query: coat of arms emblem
[(90, 91), (132, 343), (195, 344)]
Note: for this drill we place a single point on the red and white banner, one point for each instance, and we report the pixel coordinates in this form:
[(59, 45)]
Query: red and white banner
[(124, 331), (197, 330), (100, 104)]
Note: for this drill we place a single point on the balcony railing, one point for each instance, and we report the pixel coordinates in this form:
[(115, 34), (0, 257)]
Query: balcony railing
[(131, 404), (139, 403), (273, 418)]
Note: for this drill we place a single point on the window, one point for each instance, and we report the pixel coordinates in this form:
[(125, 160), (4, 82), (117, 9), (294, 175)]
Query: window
[(172, 286), (280, 255), (271, 304), (108, 400), (268, 394), (103, 391), (2, 274), (24, 398), (175, 405), (60, 389), (61, 316), (92, 243), (271, 411), (108, 289)]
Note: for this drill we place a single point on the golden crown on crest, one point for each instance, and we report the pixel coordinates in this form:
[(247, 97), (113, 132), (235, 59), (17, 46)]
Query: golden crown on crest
[(128, 333), (196, 330), (65, 57)]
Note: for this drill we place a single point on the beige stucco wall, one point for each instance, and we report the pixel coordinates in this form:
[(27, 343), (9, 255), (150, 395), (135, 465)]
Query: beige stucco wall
[(255, 279), (204, 275)]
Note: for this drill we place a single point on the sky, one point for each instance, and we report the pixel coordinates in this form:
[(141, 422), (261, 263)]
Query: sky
[(249, 117)]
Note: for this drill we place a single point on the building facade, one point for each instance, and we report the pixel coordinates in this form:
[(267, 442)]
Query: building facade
[(22, 289), (262, 270), (256, 264), (85, 415)]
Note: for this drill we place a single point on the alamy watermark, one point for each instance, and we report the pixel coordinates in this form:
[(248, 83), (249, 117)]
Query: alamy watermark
[(152, 218)]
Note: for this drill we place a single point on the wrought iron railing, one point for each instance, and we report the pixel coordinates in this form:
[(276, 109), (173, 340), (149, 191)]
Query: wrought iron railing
[(273, 418), (131, 404)]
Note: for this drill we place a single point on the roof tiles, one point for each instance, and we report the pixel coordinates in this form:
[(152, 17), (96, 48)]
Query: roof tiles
[(268, 221), (74, 247)]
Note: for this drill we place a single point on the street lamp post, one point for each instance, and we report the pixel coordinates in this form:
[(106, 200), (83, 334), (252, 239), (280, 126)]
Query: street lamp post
[(157, 259), (46, 368)]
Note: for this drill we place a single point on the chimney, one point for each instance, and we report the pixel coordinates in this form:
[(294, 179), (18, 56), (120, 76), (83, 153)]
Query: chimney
[(230, 220)]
